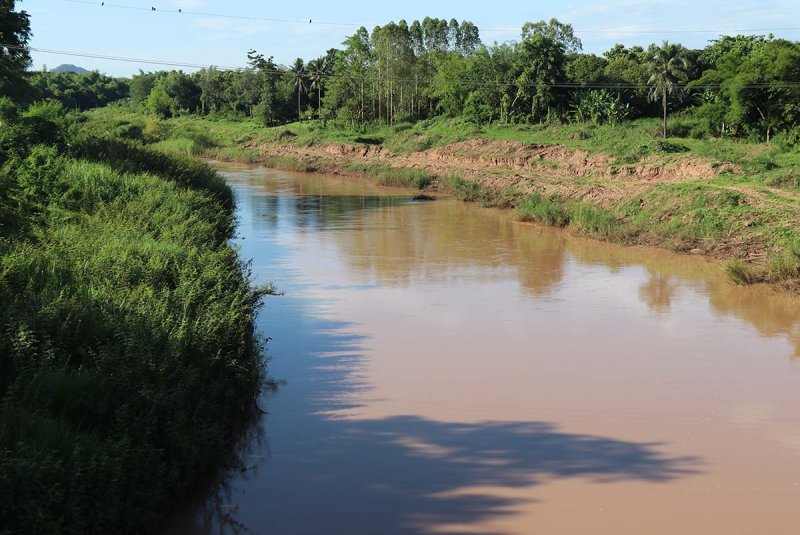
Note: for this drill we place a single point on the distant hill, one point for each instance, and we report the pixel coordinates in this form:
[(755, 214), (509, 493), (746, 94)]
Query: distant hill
[(70, 68)]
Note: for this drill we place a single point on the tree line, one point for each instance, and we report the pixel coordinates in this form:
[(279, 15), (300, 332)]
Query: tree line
[(741, 86)]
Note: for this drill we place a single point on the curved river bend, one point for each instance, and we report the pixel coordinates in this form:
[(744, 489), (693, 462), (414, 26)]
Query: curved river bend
[(450, 371)]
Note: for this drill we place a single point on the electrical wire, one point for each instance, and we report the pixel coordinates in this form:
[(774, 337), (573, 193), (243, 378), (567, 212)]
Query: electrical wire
[(649, 31), (182, 11), (386, 79)]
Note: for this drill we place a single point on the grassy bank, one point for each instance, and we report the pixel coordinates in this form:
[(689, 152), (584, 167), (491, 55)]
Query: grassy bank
[(128, 360), (729, 199)]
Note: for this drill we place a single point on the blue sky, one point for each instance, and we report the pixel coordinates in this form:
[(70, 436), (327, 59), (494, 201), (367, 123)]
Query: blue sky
[(87, 27)]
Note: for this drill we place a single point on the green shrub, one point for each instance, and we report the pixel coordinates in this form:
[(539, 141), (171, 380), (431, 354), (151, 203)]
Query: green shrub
[(129, 131), (593, 220), (467, 191), (369, 140), (669, 147), (548, 211)]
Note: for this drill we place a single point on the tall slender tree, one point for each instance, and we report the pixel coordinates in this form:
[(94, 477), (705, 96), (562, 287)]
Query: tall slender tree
[(318, 70), (668, 68), (298, 76)]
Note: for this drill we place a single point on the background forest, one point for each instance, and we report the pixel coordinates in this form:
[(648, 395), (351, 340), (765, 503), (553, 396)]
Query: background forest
[(742, 86)]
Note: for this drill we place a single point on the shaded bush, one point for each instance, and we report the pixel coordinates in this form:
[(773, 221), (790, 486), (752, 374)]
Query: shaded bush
[(369, 140)]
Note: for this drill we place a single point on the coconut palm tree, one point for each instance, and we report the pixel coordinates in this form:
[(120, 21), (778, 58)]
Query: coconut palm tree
[(668, 66), (298, 75), (318, 70)]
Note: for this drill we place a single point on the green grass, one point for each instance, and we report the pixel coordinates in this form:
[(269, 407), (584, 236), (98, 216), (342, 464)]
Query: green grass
[(786, 265), (128, 361), (706, 215), (556, 212), (549, 211), (594, 220), (392, 176), (471, 191)]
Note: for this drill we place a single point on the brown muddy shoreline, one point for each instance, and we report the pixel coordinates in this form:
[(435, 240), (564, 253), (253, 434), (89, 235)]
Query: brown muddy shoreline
[(512, 171)]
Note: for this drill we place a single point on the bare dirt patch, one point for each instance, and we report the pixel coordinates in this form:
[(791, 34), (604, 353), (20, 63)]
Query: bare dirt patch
[(547, 169)]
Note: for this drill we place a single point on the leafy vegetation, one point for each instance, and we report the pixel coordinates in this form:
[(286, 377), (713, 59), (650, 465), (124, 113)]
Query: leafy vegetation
[(128, 359), (737, 87), (393, 176)]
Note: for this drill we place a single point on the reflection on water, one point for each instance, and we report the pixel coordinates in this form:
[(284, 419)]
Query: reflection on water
[(451, 371)]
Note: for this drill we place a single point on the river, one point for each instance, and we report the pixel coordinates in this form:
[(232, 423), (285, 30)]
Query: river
[(447, 370)]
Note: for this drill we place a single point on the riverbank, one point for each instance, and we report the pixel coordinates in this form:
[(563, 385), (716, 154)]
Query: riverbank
[(128, 363), (733, 201)]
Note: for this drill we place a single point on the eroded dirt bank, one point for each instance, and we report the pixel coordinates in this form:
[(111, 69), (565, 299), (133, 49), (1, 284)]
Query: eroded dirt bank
[(671, 192), (548, 169)]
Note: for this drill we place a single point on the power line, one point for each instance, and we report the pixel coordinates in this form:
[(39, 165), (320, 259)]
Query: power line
[(383, 79), (631, 31), (168, 63), (204, 14)]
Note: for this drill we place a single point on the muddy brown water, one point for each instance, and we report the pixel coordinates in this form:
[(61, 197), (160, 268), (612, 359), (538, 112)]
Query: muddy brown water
[(448, 370)]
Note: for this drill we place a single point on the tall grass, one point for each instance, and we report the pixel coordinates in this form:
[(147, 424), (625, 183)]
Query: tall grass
[(472, 191), (393, 176), (128, 359), (786, 265), (547, 211), (556, 212)]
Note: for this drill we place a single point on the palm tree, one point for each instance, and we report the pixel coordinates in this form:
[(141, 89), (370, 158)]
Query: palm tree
[(317, 71), (668, 67), (297, 74)]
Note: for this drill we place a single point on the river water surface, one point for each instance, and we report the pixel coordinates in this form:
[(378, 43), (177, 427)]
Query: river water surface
[(450, 371)]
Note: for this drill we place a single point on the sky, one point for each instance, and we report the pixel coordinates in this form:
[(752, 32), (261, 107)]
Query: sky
[(163, 35)]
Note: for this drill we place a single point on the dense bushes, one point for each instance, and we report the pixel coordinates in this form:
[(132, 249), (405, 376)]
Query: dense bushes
[(127, 354)]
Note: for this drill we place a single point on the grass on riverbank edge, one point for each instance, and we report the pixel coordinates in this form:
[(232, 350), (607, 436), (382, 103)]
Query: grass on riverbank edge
[(238, 139), (128, 362), (702, 216), (697, 231)]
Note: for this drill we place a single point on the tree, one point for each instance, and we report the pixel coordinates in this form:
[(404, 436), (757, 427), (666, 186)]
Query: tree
[(298, 75), (142, 84), (585, 69), (470, 37), (668, 66), (757, 92), (541, 62), (318, 70), (556, 31), (267, 75), (347, 90), (159, 102), (78, 91), (739, 45), (15, 31), (212, 89)]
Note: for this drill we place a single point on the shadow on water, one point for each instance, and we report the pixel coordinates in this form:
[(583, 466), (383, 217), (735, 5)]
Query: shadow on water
[(323, 473), (403, 474)]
